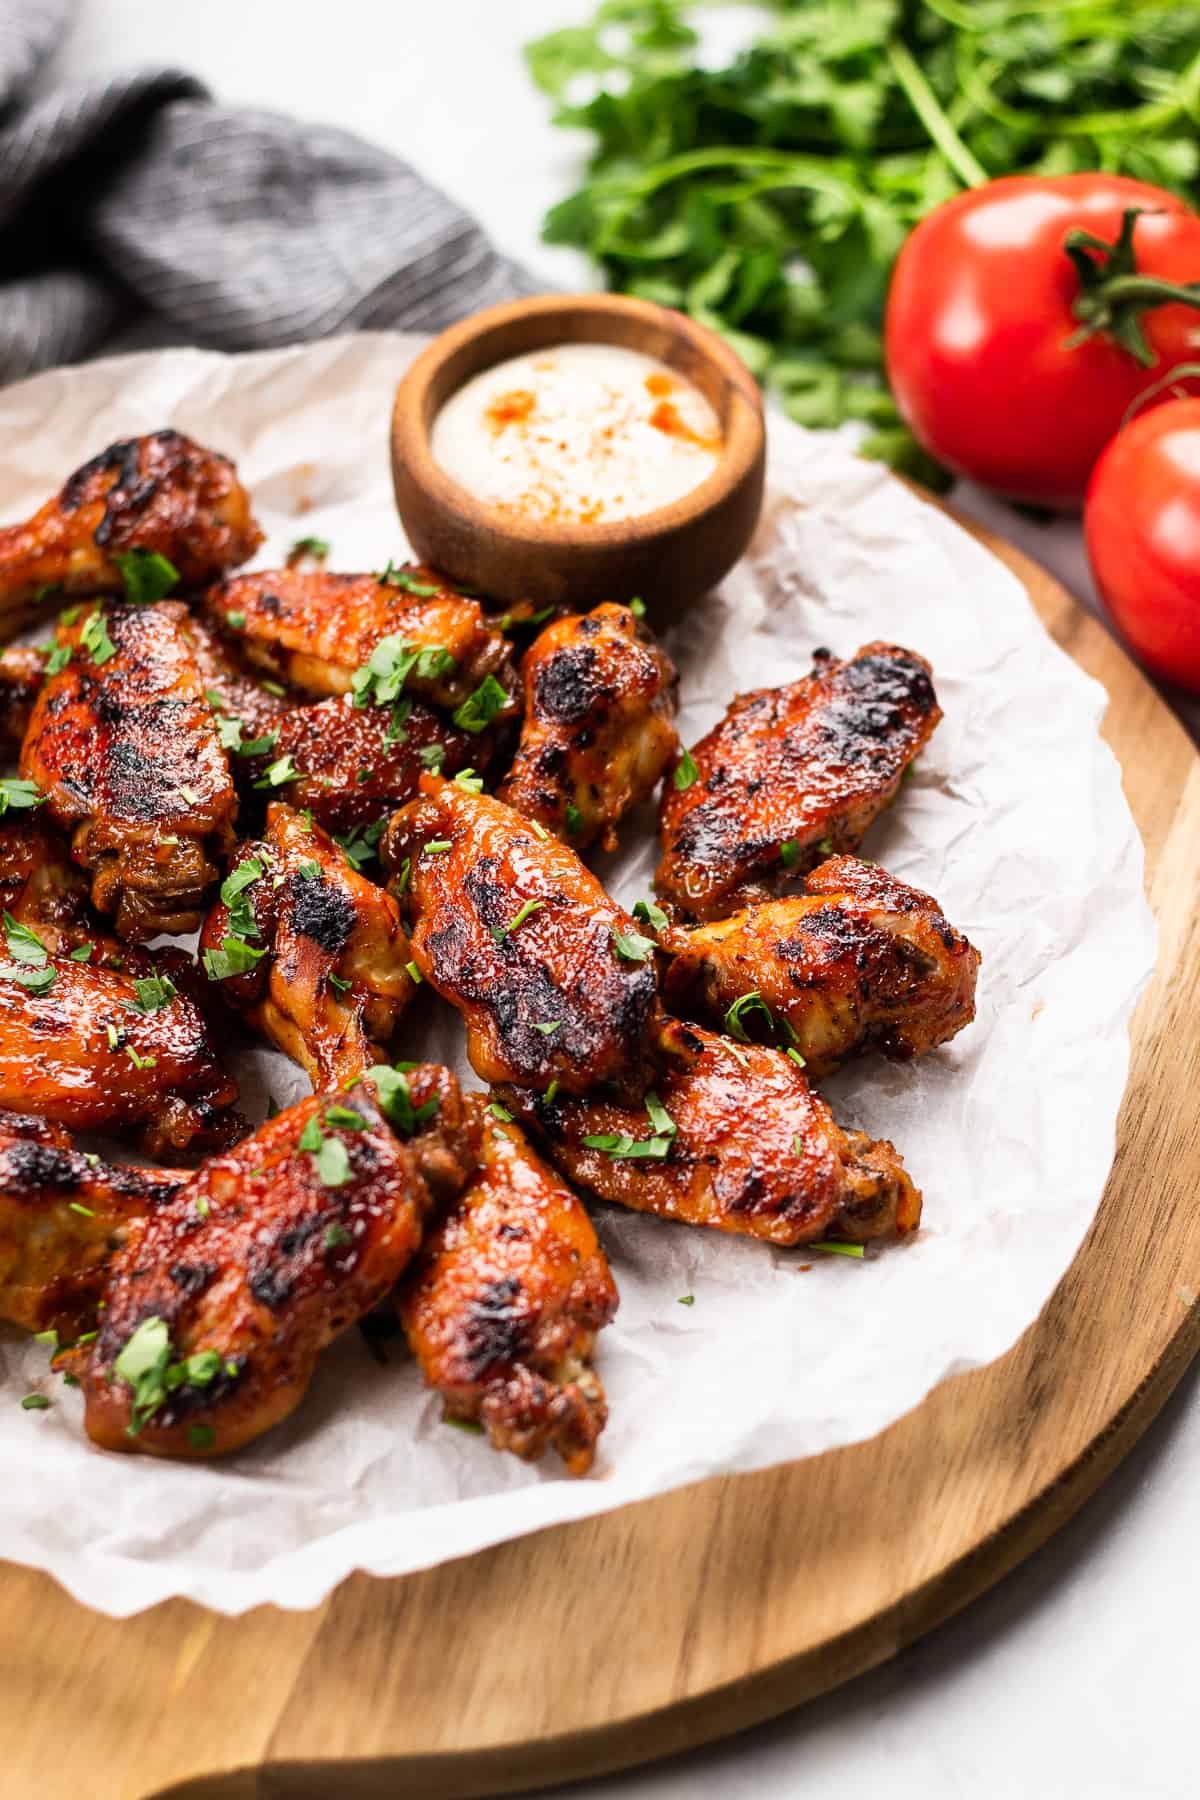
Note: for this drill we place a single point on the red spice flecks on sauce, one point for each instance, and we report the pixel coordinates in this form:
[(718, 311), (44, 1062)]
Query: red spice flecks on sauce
[(510, 409), (658, 385), (665, 418)]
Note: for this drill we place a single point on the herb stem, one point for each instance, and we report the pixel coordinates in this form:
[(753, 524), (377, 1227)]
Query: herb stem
[(929, 110)]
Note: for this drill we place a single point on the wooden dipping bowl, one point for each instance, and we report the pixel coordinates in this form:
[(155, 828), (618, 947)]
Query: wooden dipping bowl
[(669, 556)]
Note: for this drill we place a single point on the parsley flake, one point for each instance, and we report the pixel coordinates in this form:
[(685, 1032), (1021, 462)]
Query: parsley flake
[(686, 772), (19, 795), (631, 946), (282, 770), (154, 992), (650, 914), (480, 708), (147, 575), (525, 911), (95, 639), (500, 1112)]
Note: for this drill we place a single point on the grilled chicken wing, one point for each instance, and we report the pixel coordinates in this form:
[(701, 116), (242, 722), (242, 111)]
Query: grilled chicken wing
[(40, 887), (161, 493), (857, 959), (753, 1150), (310, 951), (511, 929), (63, 1215), (125, 746), (315, 630), (504, 1302), (22, 667), (223, 1300), (231, 690), (789, 774), (103, 1049), (598, 730)]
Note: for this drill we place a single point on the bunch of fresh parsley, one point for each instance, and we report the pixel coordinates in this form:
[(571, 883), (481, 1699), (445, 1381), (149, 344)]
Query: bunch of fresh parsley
[(769, 197)]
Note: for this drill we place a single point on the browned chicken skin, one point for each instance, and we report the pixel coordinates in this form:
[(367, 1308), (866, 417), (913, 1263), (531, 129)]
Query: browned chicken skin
[(231, 690), (63, 1216), (511, 929), (40, 886), (223, 1299), (789, 774), (598, 730), (22, 667), (754, 1150), (504, 1302), (857, 959), (314, 630), (162, 493), (329, 979), (127, 751)]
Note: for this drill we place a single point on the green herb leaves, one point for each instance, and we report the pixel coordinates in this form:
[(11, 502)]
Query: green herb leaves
[(382, 678), (480, 708), (146, 1367), (395, 1098), (147, 575), (18, 795), (28, 959), (631, 946), (686, 772), (95, 640)]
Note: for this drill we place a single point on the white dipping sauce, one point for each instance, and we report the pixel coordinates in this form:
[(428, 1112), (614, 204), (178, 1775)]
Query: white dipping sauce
[(578, 434)]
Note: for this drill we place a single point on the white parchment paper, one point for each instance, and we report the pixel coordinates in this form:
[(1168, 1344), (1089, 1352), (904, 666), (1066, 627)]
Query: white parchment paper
[(1015, 821)]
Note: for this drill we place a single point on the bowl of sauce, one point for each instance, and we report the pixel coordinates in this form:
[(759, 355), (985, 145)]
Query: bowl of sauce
[(569, 449)]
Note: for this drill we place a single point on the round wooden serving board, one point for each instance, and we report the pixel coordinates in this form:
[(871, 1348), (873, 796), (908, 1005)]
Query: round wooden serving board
[(598, 1645)]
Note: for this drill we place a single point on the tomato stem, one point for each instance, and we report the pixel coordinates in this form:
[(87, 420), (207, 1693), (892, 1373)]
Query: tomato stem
[(1114, 293)]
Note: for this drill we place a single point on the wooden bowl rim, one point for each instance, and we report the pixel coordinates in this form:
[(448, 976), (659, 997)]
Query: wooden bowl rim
[(743, 428)]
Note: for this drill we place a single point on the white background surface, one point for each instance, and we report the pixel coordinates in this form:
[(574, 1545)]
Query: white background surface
[(1077, 1676)]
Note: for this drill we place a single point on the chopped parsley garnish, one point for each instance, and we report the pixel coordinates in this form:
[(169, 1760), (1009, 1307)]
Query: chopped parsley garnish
[(395, 1099), (435, 846), (345, 1118), (30, 963), (547, 1027), (433, 756), (500, 1112), (650, 914), (114, 1036), (637, 607), (94, 638), (525, 911), (140, 1062), (309, 869), (336, 1235), (338, 985), (282, 770), (235, 957), (480, 708), (382, 677), (614, 1144), (406, 582), (147, 575), (745, 1007), (574, 819), (826, 846), (552, 1092), (361, 844), (154, 991), (469, 781), (242, 922), (660, 1119), (833, 1248), (686, 1300), (77, 1206), (402, 879), (315, 547), (229, 731), (202, 1206), (796, 1057), (201, 1437), (401, 713), (34, 1403), (414, 974), (789, 852), (19, 795), (145, 1366), (461, 1424), (310, 1137), (333, 1162), (58, 659), (539, 830), (189, 794), (631, 946), (686, 772), (236, 619)]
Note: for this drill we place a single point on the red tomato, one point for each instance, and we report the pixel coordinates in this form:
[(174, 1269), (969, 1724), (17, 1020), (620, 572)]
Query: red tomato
[(1142, 524), (982, 305)]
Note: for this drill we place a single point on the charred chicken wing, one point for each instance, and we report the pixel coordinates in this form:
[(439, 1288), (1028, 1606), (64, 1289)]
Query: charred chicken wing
[(374, 635), (125, 746), (102, 1049), (504, 1302), (791, 774), (22, 667), (311, 952), (552, 978), (40, 886), (220, 1304), (162, 495), (857, 959), (733, 1138), (63, 1215), (598, 730)]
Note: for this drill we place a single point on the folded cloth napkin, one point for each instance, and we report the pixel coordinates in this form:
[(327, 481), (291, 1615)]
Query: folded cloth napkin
[(140, 197)]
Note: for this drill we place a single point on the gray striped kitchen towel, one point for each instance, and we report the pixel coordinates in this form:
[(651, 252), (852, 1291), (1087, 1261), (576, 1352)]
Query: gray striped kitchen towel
[(139, 197)]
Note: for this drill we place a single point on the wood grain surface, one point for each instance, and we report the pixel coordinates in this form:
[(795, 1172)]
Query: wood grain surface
[(596, 1645)]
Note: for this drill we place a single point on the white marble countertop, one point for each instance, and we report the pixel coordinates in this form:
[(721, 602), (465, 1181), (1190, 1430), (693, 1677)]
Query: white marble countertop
[(1076, 1676)]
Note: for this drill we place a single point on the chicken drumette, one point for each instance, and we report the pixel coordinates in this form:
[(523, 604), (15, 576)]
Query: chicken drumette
[(405, 630), (22, 668), (63, 1216), (124, 745), (223, 1299), (856, 959), (791, 774), (553, 980), (504, 1302), (41, 887), (160, 494), (598, 730), (312, 953), (732, 1137)]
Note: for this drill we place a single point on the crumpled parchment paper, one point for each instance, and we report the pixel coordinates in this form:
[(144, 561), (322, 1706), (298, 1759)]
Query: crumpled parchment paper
[(1015, 821)]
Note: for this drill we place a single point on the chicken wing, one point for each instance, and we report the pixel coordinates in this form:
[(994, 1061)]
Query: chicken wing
[(405, 630), (231, 690), (504, 1302), (312, 953), (599, 707), (858, 959), (791, 774), (161, 494), (125, 746), (22, 667), (223, 1299), (553, 980), (733, 1138), (41, 887), (102, 1049), (63, 1215)]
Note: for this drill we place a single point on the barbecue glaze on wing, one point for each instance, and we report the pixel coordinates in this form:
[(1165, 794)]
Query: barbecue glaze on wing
[(857, 959), (161, 493), (127, 751), (22, 668), (598, 732), (257, 1264), (503, 1304), (755, 1149), (791, 774), (511, 929)]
